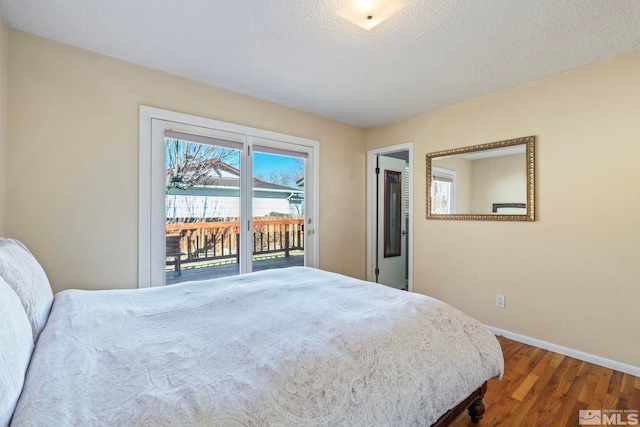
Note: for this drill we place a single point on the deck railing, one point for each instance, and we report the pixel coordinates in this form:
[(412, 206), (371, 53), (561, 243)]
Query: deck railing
[(219, 240)]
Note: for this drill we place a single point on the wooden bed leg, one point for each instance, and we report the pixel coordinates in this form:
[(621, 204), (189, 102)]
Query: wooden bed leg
[(476, 409), (473, 403)]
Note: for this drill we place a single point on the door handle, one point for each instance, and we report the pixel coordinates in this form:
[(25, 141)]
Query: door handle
[(404, 232)]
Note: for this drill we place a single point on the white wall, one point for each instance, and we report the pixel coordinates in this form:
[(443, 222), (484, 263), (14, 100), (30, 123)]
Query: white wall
[(572, 277), (205, 206)]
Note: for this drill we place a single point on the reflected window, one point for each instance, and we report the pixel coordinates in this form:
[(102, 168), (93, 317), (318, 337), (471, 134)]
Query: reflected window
[(443, 191)]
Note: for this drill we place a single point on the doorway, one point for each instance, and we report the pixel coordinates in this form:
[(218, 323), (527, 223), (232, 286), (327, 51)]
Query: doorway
[(390, 216)]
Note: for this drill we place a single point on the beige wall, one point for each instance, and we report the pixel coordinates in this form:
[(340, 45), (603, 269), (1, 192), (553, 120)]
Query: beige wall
[(3, 112), (72, 176), (500, 179), (572, 277)]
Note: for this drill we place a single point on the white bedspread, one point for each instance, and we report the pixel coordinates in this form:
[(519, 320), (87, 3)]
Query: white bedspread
[(293, 347)]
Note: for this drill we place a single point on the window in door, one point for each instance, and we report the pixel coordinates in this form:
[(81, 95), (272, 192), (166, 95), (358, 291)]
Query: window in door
[(443, 188), (392, 213)]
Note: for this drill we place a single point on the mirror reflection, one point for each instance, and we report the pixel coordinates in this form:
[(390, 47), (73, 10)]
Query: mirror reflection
[(483, 182)]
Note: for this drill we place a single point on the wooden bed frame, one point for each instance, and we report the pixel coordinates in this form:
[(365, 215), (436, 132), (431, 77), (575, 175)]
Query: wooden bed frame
[(473, 403)]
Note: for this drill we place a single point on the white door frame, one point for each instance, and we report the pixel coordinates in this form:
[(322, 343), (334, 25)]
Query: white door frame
[(149, 254), (371, 208)]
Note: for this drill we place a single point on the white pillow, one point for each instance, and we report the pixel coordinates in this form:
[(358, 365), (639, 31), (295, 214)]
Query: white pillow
[(23, 273), (16, 346)]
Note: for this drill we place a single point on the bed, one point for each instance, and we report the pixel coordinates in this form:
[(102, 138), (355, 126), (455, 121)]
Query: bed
[(288, 347)]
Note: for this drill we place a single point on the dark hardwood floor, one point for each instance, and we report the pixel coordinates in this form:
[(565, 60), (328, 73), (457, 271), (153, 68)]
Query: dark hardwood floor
[(542, 388)]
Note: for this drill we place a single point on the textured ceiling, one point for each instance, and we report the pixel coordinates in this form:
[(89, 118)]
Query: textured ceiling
[(300, 54)]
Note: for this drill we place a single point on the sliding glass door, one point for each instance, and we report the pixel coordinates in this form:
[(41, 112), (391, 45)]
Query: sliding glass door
[(225, 203)]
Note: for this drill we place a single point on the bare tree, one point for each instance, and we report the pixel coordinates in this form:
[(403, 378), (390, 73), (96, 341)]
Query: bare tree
[(187, 163), (288, 178)]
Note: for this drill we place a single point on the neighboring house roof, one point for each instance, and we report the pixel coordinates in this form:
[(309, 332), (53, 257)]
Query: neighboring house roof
[(234, 183), (225, 175), (214, 194)]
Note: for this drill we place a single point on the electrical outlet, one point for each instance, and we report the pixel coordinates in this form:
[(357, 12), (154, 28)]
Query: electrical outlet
[(500, 301)]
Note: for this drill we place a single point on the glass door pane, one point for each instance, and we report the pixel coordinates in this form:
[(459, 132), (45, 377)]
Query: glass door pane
[(392, 213), (202, 205), (278, 210)]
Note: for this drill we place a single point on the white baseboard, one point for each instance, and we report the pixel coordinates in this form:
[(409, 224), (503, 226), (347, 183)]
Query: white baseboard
[(576, 354)]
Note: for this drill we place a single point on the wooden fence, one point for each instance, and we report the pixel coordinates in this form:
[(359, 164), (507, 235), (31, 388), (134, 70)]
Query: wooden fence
[(219, 240)]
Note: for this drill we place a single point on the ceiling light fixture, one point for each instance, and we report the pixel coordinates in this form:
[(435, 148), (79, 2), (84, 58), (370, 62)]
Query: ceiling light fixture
[(369, 13)]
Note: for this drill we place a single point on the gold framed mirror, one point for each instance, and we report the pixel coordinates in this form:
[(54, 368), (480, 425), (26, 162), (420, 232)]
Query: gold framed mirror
[(486, 182)]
